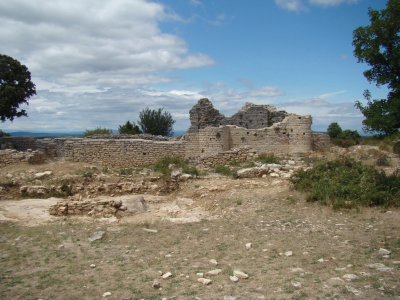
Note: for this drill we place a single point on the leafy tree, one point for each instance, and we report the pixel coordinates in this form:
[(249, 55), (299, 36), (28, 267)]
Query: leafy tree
[(378, 45), (16, 88), (96, 131), (156, 122), (334, 130), (129, 128)]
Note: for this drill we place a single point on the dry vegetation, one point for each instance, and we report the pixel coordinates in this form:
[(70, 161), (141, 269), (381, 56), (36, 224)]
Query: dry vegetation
[(299, 249)]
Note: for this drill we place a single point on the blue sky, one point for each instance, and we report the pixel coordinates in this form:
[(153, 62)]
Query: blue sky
[(98, 63)]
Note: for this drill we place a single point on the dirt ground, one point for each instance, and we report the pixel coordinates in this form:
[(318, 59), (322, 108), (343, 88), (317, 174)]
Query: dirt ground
[(289, 248)]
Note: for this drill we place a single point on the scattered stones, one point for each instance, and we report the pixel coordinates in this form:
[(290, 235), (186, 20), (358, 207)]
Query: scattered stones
[(349, 277), (214, 272), (296, 284), (106, 294), (353, 290), (93, 266), (380, 267), (167, 275), (240, 274), (204, 281), (98, 235), (234, 278), (156, 284), (248, 246)]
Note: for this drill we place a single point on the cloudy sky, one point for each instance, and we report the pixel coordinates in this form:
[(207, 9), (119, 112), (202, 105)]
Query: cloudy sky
[(100, 62)]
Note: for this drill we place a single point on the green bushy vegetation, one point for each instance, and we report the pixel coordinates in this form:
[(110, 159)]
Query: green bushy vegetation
[(347, 183), (343, 138), (129, 128), (268, 158), (163, 164), (225, 170), (96, 131)]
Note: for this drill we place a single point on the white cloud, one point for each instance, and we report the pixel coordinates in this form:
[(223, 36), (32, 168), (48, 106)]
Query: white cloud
[(102, 43), (301, 5), (291, 5)]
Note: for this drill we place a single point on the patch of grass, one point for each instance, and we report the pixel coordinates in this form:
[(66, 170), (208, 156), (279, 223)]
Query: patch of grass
[(224, 170), (166, 164), (87, 174), (97, 131), (125, 171), (268, 158), (345, 183)]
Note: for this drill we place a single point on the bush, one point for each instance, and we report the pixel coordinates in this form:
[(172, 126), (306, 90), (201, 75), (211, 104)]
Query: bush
[(396, 147), (268, 158), (383, 161), (156, 122), (163, 166), (347, 183), (129, 128), (97, 131), (3, 134), (225, 170), (334, 130), (347, 138)]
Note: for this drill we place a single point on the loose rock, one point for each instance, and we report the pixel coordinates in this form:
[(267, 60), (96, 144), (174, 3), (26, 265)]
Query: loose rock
[(240, 274), (204, 281)]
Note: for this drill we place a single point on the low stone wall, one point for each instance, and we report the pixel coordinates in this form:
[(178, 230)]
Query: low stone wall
[(11, 156), (223, 158), (119, 153)]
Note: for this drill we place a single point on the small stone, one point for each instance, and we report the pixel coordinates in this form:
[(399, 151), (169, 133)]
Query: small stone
[(150, 230), (396, 262), (296, 284), (335, 281), (229, 298), (240, 274), (167, 275), (98, 235), (349, 277), (93, 266), (353, 290), (380, 267), (234, 278), (214, 272), (321, 260), (213, 261), (156, 284), (288, 253), (296, 270), (383, 251), (204, 281), (106, 294), (248, 246), (199, 274)]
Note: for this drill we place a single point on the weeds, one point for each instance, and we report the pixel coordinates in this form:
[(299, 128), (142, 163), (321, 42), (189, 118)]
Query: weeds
[(166, 164), (225, 170), (267, 158), (347, 183)]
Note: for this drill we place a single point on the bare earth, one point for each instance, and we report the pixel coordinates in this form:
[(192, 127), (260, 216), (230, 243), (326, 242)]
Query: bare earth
[(298, 250)]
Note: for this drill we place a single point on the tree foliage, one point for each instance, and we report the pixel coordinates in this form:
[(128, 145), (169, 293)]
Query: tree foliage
[(129, 128), (16, 88), (334, 130), (378, 45), (156, 122)]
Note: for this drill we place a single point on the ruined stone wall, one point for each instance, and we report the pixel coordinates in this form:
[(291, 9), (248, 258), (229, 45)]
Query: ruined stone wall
[(321, 141), (12, 156), (119, 153)]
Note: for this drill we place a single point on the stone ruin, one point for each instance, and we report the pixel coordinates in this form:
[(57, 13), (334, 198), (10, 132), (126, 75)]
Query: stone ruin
[(211, 139)]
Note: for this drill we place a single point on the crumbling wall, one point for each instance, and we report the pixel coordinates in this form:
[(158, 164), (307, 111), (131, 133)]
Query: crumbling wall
[(11, 156)]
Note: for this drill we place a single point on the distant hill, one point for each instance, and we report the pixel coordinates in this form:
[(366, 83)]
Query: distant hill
[(45, 134)]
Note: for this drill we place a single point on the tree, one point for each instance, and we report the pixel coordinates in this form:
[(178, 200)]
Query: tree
[(16, 88), (156, 122), (129, 128), (378, 45), (334, 130)]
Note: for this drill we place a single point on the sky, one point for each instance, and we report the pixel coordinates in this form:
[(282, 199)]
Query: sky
[(98, 63)]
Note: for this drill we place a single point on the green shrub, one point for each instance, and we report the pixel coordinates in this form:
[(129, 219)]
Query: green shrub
[(334, 130), (347, 183), (96, 131), (163, 166), (396, 147), (129, 128), (224, 170), (266, 158), (3, 133)]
